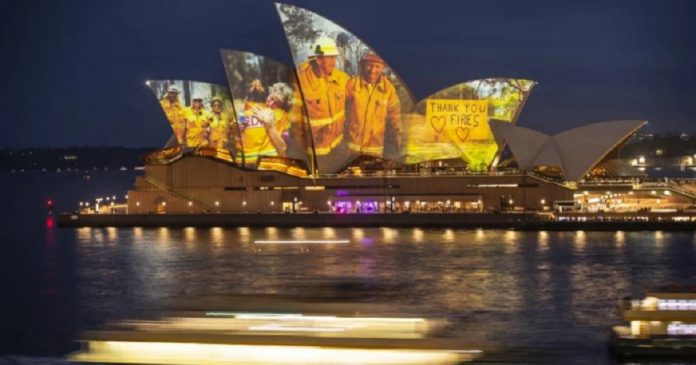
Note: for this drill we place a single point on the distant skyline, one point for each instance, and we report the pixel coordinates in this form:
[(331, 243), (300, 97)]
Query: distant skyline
[(73, 71)]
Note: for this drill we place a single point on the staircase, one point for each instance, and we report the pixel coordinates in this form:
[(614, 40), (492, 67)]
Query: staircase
[(206, 208)]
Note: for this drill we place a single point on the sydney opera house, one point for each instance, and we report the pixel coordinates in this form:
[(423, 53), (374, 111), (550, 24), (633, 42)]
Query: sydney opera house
[(340, 131)]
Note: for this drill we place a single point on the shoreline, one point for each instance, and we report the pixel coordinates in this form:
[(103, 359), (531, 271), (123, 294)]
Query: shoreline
[(516, 221)]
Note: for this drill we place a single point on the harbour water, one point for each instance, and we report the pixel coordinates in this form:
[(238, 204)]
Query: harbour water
[(532, 297)]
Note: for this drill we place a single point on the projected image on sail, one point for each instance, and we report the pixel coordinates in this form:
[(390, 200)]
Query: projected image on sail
[(200, 115), (454, 123), (353, 98), (271, 120)]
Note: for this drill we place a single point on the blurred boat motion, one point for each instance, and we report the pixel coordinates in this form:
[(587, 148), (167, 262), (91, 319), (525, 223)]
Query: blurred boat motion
[(277, 330)]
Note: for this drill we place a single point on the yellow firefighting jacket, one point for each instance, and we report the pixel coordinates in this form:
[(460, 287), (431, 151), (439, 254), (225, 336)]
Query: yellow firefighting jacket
[(220, 130), (255, 139), (369, 109), (325, 102), (197, 123), (175, 115)]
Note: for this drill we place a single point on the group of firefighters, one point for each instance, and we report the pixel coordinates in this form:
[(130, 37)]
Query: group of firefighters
[(194, 126), (349, 112), (345, 113)]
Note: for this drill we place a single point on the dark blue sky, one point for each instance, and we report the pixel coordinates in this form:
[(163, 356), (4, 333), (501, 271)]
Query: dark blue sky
[(73, 71)]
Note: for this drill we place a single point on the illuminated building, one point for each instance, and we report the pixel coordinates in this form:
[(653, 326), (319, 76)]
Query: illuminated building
[(273, 141)]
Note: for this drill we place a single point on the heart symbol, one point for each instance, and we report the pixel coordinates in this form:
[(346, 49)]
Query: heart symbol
[(438, 123), (462, 133)]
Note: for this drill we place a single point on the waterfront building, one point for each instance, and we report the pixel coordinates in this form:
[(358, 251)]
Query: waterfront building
[(287, 149)]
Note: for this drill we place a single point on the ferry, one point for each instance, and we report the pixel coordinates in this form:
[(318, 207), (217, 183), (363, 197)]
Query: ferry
[(269, 330), (661, 324)]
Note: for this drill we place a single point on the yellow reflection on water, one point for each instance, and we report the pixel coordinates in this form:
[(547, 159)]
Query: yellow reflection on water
[(217, 236), (84, 234), (298, 233), (510, 237), (163, 235), (244, 234), (328, 233), (620, 238), (580, 240), (480, 235), (112, 234), (659, 239), (389, 235), (358, 234), (189, 235), (543, 239), (138, 232), (272, 233), (418, 235), (448, 236)]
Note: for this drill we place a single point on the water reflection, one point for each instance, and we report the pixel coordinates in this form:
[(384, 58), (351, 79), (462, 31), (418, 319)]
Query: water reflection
[(555, 290), (389, 235), (620, 238), (480, 235), (358, 234), (580, 241), (659, 239), (112, 234), (417, 235), (298, 233), (448, 236), (217, 236), (244, 235), (543, 240), (163, 236), (328, 233), (84, 235), (189, 235)]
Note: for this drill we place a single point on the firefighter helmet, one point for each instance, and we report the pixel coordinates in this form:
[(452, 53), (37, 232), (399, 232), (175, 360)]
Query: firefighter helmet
[(325, 46)]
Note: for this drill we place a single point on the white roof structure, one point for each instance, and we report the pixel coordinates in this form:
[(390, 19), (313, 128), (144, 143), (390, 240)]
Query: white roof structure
[(575, 151)]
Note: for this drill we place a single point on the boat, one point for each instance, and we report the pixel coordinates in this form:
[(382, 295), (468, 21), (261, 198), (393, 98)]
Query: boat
[(271, 330), (661, 324)]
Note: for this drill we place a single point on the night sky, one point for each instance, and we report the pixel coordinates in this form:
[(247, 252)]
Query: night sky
[(73, 71)]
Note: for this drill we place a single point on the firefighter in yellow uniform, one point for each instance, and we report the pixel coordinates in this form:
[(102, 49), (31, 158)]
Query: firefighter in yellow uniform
[(266, 125), (197, 124), (175, 112), (219, 125), (372, 104), (323, 88)]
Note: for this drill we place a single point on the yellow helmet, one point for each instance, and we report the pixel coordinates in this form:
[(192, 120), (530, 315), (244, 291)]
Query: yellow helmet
[(325, 46)]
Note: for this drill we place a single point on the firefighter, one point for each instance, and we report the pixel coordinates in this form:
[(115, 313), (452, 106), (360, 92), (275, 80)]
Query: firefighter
[(267, 123), (323, 87), (197, 123), (174, 112), (372, 106), (219, 124)]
